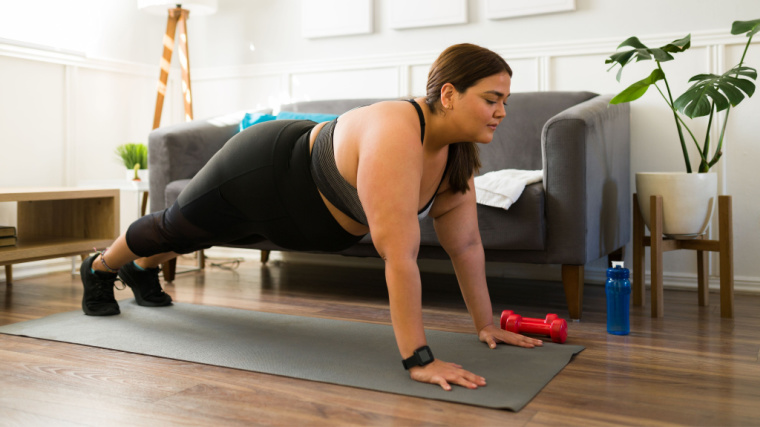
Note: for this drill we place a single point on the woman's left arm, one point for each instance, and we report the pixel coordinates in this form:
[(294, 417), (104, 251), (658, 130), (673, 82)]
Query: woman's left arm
[(456, 224)]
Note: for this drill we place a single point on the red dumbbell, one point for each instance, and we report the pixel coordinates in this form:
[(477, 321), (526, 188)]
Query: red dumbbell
[(547, 320), (557, 329)]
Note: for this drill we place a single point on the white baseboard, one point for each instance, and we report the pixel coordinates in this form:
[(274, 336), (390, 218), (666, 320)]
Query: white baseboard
[(524, 271), (40, 268)]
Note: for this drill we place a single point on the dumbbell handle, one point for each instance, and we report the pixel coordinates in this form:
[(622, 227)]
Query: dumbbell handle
[(547, 320)]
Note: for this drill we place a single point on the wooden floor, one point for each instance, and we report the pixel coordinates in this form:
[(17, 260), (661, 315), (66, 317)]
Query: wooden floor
[(690, 368)]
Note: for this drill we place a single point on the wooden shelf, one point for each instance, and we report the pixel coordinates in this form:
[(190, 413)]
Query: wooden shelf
[(33, 251), (57, 222), (15, 194)]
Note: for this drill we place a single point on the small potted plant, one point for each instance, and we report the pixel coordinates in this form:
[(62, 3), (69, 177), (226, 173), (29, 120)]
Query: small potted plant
[(688, 197), (134, 156)]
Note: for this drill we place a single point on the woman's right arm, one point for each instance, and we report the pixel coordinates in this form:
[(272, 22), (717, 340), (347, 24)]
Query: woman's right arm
[(388, 177), (388, 180)]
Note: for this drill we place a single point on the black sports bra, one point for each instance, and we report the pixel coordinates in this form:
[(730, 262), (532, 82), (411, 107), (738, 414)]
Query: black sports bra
[(335, 188)]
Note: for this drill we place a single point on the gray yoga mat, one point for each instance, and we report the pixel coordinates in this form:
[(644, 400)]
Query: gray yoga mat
[(354, 354)]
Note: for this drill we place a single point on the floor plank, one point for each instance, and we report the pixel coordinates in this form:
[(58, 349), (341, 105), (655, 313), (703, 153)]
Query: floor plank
[(689, 368)]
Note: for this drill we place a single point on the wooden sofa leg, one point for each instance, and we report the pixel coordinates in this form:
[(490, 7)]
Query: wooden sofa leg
[(169, 268), (264, 257), (572, 279)]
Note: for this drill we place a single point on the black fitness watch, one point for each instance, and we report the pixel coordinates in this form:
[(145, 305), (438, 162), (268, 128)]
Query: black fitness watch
[(421, 357)]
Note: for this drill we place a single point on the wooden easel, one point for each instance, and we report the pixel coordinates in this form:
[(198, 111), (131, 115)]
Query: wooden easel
[(177, 17), (659, 244)]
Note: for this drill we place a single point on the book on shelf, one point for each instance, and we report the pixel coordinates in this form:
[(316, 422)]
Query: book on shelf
[(7, 241), (7, 230)]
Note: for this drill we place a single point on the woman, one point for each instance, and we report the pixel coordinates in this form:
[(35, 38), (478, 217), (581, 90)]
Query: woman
[(308, 186)]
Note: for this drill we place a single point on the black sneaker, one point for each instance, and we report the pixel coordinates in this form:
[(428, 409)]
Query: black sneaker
[(98, 297), (145, 285)]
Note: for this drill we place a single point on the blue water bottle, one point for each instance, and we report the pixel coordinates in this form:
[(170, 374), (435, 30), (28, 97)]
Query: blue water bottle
[(618, 290)]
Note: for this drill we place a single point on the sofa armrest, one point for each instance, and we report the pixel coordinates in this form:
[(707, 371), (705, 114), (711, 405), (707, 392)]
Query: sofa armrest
[(586, 162), (179, 151)]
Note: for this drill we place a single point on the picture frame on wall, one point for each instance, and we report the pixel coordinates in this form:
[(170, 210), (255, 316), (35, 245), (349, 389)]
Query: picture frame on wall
[(500, 9), (426, 13), (333, 18)]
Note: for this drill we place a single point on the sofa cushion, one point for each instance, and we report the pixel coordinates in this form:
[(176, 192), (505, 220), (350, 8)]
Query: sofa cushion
[(521, 227)]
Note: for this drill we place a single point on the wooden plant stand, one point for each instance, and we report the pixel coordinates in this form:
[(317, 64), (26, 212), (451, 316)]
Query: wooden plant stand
[(660, 244)]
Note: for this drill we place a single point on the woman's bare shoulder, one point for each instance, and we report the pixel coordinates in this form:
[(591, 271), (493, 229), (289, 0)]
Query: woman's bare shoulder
[(381, 113), (383, 120)]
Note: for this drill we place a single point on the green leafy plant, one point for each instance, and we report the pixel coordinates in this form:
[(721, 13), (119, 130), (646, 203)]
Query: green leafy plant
[(132, 154), (709, 93)]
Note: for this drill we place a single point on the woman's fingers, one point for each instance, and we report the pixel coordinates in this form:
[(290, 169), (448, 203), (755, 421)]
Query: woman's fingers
[(441, 382), (491, 335), (491, 342), (471, 381), (466, 378), (445, 374), (523, 341), (453, 378)]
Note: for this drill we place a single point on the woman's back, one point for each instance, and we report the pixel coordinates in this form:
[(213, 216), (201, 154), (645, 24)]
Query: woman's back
[(375, 137)]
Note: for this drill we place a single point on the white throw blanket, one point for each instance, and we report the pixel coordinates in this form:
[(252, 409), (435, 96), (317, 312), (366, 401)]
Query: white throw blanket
[(501, 189)]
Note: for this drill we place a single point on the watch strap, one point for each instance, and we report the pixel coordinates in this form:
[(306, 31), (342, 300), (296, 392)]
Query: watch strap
[(421, 357)]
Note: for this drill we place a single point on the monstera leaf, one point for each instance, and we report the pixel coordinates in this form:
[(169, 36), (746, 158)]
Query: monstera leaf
[(641, 52), (709, 93), (749, 27), (722, 91), (638, 89)]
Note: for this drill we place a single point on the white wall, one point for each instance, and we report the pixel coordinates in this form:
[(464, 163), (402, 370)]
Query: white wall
[(275, 29), (93, 103), (77, 78)]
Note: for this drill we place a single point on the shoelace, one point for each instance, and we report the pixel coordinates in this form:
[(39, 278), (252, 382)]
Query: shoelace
[(152, 287), (104, 287)]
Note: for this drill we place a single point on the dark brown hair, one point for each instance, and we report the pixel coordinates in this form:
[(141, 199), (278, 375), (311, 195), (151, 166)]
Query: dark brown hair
[(462, 65)]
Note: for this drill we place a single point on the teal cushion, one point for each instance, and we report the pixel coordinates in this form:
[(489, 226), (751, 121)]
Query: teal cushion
[(315, 117), (251, 119)]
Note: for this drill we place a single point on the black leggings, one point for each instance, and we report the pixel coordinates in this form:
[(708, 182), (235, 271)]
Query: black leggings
[(257, 187)]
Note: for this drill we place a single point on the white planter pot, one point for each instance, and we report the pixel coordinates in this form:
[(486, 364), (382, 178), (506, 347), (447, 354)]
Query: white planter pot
[(141, 173), (688, 201)]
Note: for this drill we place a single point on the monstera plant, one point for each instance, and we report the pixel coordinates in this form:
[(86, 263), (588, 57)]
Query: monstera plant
[(688, 198), (709, 94)]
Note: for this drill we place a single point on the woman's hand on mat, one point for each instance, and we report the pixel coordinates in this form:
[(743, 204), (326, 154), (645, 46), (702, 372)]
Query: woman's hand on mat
[(492, 335), (444, 374)]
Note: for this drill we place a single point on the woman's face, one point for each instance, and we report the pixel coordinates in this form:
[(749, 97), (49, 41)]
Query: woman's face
[(480, 109)]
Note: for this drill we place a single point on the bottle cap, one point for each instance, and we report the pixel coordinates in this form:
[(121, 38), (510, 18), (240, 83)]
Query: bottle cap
[(617, 264)]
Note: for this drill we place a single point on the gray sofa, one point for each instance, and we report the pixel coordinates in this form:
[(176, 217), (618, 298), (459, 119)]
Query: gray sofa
[(579, 213)]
